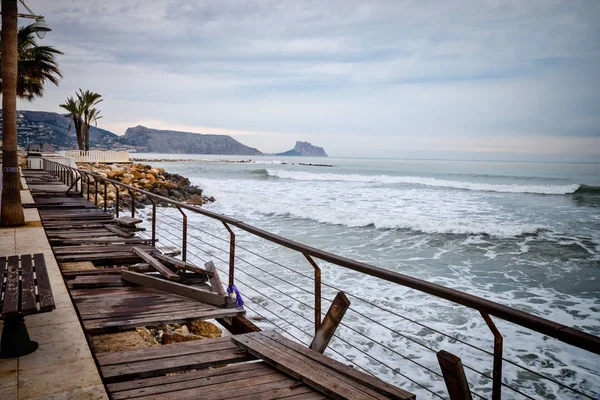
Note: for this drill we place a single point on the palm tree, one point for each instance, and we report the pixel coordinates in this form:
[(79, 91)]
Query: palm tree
[(36, 65), (82, 112), (72, 106)]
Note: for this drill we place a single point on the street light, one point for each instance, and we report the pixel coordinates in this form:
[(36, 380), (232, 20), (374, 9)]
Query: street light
[(11, 213), (40, 27)]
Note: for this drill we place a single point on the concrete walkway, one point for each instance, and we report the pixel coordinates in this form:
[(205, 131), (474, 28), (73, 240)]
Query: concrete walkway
[(62, 367)]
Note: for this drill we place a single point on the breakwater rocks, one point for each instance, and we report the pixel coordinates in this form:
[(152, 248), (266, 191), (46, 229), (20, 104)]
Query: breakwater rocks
[(141, 176)]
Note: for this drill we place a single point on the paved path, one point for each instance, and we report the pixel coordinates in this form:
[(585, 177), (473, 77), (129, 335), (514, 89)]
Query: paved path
[(62, 367)]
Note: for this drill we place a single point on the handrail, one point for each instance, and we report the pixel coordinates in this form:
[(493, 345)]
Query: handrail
[(547, 327)]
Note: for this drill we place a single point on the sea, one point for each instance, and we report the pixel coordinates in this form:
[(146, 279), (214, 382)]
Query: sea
[(523, 234)]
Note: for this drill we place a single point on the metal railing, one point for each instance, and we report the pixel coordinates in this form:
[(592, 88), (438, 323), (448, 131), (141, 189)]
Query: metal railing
[(77, 179)]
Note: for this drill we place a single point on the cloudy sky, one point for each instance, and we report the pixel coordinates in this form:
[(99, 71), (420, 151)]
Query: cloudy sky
[(452, 79)]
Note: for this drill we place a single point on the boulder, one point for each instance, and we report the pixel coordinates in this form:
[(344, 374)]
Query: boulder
[(205, 329), (195, 199)]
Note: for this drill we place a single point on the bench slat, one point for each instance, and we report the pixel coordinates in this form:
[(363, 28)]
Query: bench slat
[(43, 283), (28, 302), (11, 293)]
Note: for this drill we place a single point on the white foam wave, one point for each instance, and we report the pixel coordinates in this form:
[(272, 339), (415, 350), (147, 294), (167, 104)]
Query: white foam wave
[(272, 162), (417, 180)]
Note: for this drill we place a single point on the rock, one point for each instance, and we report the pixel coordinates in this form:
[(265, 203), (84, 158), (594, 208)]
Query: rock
[(129, 176), (179, 335), (151, 177), (211, 199), (195, 199), (176, 193), (205, 329), (137, 174), (161, 192)]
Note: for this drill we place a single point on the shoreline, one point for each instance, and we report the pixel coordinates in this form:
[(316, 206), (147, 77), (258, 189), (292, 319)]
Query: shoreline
[(249, 161)]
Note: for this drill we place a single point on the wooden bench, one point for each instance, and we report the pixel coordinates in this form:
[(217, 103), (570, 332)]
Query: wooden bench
[(25, 290), (322, 373)]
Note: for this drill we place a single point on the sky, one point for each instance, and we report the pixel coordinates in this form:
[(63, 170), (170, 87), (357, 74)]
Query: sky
[(481, 79)]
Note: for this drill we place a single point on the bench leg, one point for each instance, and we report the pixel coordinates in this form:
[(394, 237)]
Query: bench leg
[(15, 338)]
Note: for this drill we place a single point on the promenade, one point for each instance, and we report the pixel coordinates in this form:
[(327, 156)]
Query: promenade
[(62, 367)]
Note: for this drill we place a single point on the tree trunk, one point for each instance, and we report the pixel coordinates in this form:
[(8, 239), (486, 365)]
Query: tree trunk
[(79, 132), (12, 212), (86, 127)]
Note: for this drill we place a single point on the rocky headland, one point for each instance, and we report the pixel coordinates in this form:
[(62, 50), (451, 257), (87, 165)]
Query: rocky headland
[(154, 180), (304, 149)]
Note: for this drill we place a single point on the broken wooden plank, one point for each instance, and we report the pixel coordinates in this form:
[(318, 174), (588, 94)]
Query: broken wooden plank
[(334, 380), (118, 232), (332, 319), (181, 264), (215, 280), (175, 288), (154, 263), (454, 376), (128, 222)]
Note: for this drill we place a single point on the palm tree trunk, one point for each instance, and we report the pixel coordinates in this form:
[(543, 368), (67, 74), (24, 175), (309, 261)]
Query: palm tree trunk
[(86, 127), (12, 212), (79, 132)]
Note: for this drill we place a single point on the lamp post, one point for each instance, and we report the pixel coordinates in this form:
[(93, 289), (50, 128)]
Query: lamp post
[(10, 202)]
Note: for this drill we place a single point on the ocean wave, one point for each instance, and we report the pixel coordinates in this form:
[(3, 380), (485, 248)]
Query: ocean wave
[(273, 162), (586, 189), (416, 180)]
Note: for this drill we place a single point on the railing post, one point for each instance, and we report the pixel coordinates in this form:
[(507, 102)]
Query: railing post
[(153, 220), (87, 186), (105, 195), (132, 203), (317, 291), (117, 200), (497, 372), (95, 191), (184, 238), (231, 255)]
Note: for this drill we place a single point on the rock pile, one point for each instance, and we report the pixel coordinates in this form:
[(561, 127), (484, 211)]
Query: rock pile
[(154, 180)]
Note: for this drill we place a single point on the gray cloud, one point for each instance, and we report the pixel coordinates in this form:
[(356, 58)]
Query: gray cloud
[(444, 70)]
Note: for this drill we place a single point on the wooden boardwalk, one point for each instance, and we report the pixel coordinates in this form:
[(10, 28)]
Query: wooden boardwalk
[(250, 365)]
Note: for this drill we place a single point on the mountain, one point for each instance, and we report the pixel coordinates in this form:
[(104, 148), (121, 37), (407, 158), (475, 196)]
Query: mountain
[(304, 149), (162, 141), (51, 130)]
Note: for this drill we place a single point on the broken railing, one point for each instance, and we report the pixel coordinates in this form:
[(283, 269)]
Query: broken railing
[(203, 243)]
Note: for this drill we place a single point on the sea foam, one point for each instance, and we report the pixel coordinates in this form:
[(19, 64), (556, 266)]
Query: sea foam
[(417, 180)]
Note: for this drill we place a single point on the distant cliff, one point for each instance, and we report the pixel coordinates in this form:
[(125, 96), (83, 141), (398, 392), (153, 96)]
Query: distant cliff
[(51, 131), (162, 141), (304, 149)]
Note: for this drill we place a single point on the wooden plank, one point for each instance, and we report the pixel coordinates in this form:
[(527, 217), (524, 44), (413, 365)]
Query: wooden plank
[(181, 264), (215, 280), (108, 241), (121, 324), (11, 291), (43, 283), (96, 281), (99, 271), (329, 325), (119, 232), (454, 376), (165, 351), (230, 370), (323, 380), (253, 379), (141, 369), (368, 380), (314, 374), (61, 250), (243, 389), (129, 222), (28, 302), (175, 288), (154, 263), (112, 258)]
